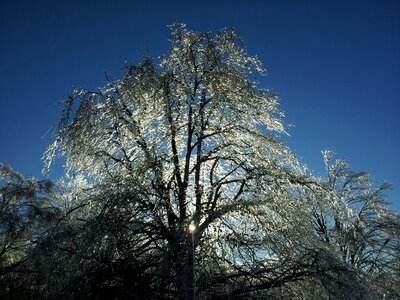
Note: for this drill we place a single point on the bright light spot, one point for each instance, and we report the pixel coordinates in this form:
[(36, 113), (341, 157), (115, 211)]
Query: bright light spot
[(192, 228)]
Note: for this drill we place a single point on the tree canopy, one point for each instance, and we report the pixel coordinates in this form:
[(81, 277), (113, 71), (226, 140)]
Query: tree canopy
[(177, 186)]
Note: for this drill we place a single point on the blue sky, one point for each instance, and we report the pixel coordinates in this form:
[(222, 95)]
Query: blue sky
[(335, 65)]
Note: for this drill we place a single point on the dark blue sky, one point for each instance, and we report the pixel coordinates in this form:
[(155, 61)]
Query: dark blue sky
[(335, 64)]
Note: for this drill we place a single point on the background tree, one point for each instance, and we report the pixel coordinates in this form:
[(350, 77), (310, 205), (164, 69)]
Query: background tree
[(25, 216), (356, 221)]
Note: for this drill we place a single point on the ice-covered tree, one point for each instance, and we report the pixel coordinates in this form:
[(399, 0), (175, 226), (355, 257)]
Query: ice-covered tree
[(352, 216)]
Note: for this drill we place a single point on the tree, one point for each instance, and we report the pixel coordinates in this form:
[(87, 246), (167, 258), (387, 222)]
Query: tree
[(25, 216), (356, 221), (188, 141)]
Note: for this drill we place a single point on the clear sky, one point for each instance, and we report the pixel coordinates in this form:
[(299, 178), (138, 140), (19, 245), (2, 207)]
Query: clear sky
[(335, 65)]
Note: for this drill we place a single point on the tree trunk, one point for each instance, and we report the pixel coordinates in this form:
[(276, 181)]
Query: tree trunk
[(185, 270)]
